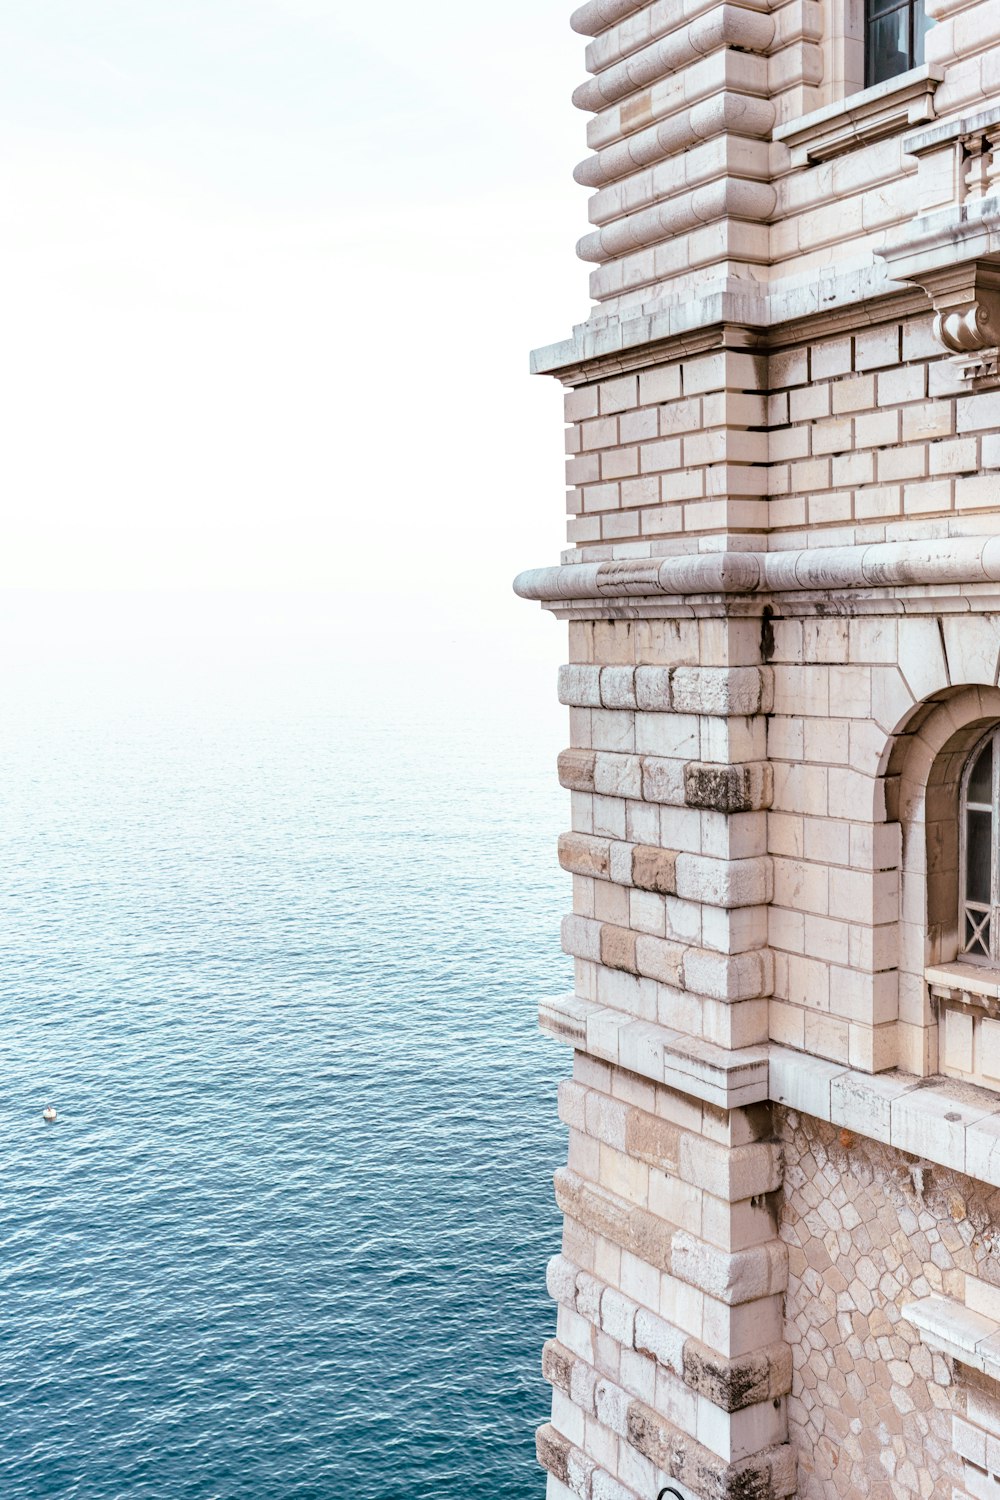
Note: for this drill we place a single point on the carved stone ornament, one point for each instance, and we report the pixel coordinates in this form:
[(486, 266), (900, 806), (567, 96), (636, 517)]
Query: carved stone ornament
[(966, 302)]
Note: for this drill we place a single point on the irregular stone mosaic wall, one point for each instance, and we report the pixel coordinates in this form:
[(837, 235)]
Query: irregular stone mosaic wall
[(868, 1230)]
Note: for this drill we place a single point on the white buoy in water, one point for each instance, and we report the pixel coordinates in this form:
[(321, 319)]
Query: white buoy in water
[(49, 1114)]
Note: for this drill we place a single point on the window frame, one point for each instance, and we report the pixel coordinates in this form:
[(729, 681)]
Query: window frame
[(992, 910), (913, 9)]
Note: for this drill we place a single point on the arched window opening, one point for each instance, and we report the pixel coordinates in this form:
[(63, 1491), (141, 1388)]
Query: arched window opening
[(979, 863)]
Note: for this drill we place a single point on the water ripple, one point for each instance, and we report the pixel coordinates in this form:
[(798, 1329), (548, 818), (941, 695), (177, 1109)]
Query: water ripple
[(278, 971)]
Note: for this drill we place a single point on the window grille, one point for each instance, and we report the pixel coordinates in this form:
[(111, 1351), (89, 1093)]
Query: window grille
[(894, 38), (980, 906)]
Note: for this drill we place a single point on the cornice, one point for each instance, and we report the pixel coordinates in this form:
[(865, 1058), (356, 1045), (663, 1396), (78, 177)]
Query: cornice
[(746, 315), (941, 564)]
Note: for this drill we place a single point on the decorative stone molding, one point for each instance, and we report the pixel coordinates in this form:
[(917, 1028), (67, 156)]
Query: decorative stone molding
[(723, 26), (953, 1329), (862, 118), (727, 1078), (958, 560), (952, 249), (597, 15), (940, 1120), (966, 302)]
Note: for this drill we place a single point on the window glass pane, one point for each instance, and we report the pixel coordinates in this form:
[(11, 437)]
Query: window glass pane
[(981, 780), (921, 26), (979, 828), (878, 7), (977, 934), (888, 45)]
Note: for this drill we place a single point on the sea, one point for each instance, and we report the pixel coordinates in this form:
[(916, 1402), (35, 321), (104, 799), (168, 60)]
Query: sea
[(273, 943)]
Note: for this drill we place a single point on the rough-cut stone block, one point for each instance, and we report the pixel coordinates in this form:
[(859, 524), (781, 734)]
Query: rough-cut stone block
[(580, 686), (660, 960), (730, 1278), (729, 977), (618, 1316), (727, 883), (582, 854), (734, 1384), (654, 869), (612, 1405), (576, 770), (552, 1451), (618, 775), (762, 1477), (617, 948), (634, 1229), (652, 689), (618, 687), (728, 788), (663, 780), (581, 938), (560, 1280), (723, 691), (660, 1340), (557, 1365)]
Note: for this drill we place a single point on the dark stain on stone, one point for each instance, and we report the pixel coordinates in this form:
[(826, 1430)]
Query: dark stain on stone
[(767, 634), (725, 789)]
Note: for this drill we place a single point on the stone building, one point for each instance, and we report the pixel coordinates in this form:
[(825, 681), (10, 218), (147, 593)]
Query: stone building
[(781, 1266)]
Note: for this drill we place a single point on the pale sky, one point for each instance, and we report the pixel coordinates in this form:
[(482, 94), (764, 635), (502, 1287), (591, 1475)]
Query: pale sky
[(271, 270)]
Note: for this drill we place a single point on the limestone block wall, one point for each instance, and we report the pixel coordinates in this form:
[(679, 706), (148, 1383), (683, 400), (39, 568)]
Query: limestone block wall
[(779, 1271), (725, 137), (668, 847), (669, 1362), (874, 436), (865, 436)]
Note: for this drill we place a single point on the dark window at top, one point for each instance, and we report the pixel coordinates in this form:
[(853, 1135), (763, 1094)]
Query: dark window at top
[(980, 873), (894, 38)]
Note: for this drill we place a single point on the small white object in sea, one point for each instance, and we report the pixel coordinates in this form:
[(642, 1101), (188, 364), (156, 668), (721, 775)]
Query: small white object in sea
[(49, 1114)]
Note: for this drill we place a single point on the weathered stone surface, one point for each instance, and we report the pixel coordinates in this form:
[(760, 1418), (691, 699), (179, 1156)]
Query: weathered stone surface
[(618, 948), (721, 691), (576, 770), (734, 1384), (740, 1276), (552, 1450), (697, 1467), (557, 1365), (663, 780), (581, 854), (727, 788), (634, 1229), (659, 960), (654, 869)]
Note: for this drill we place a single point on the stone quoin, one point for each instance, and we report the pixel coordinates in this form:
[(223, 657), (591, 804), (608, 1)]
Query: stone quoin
[(780, 1271)]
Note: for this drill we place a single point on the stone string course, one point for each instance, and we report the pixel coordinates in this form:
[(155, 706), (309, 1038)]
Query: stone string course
[(780, 1269)]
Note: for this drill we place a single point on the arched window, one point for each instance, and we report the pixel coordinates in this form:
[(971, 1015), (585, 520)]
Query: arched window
[(979, 862)]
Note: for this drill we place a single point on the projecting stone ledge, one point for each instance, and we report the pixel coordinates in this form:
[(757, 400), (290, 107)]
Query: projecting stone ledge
[(953, 1329), (728, 1079), (893, 565)]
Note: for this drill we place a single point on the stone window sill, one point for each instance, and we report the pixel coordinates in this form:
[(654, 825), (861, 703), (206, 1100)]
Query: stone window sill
[(862, 118), (969, 984), (954, 1329), (944, 1121), (968, 996)]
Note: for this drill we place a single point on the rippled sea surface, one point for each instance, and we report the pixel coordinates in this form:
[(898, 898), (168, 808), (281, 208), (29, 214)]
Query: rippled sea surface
[(273, 949)]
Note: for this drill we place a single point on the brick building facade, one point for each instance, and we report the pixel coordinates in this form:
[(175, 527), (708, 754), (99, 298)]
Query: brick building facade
[(781, 1266)]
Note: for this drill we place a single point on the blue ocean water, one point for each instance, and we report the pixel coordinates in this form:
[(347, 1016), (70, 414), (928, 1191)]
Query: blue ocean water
[(273, 947)]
